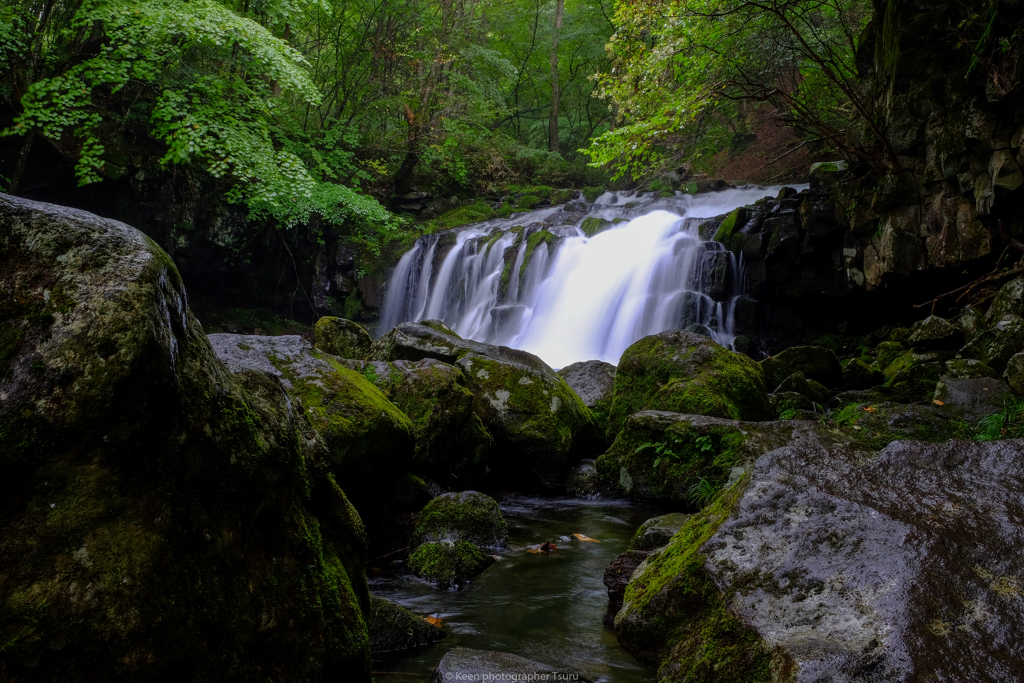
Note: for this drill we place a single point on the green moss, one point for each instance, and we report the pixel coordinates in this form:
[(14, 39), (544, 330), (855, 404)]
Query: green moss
[(543, 191), (504, 211), (528, 202), (467, 516), (592, 193), (691, 188), (887, 353), (562, 196), (463, 215), (448, 564), (532, 242), (729, 225), (593, 225), (673, 613)]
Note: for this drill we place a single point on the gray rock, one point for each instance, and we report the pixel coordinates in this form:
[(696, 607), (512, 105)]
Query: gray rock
[(618, 573), (584, 481), (971, 321), (342, 338), (656, 532), (967, 368), (1009, 301), (935, 333), (393, 627), (975, 397), (594, 382), (844, 567), (784, 403), (797, 383), (997, 345), (1015, 373), (879, 394), (464, 664)]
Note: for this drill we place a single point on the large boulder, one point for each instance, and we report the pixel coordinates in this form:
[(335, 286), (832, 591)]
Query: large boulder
[(448, 564), (369, 439), (594, 382), (914, 375), (451, 441), (1009, 301), (540, 426), (829, 564), (973, 398), (815, 362), (686, 459), (878, 424), (995, 346), (935, 333), (393, 627), (342, 338), (682, 372), (162, 517), (464, 516)]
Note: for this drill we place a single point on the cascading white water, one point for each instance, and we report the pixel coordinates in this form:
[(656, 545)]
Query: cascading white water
[(571, 297)]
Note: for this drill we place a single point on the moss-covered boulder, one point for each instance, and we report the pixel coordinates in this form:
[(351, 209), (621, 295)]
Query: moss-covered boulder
[(859, 375), (584, 481), (914, 375), (657, 531), (935, 333), (997, 345), (369, 439), (827, 563), (342, 338), (683, 372), (876, 425), (1014, 373), (687, 459), (971, 321), (887, 352), (788, 405), (797, 383), (540, 426), (394, 628), (815, 362), (967, 368), (162, 517), (464, 516), (594, 382), (1009, 301), (451, 441), (448, 564)]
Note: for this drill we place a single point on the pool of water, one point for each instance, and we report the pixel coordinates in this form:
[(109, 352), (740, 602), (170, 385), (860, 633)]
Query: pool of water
[(548, 607)]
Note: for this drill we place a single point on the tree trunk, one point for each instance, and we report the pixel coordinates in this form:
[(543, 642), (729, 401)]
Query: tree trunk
[(555, 90)]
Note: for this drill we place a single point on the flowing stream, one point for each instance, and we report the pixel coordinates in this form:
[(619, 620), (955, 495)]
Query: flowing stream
[(568, 297), (550, 608)]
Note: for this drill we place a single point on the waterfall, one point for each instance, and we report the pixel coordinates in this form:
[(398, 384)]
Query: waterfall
[(537, 282)]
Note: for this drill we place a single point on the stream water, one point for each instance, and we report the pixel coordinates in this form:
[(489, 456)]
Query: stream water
[(551, 608), (572, 297)]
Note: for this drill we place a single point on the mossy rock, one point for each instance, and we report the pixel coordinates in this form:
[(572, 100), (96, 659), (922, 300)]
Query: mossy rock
[(971, 321), (448, 564), (888, 352), (592, 193), (967, 368), (342, 338), (914, 375), (994, 347), (530, 202), (1014, 374), (394, 628), (463, 516), (161, 514), (563, 196), (594, 382), (584, 481), (876, 425), (1009, 301), (368, 438), (592, 225), (788, 404), (658, 531), (815, 362), (860, 375), (797, 383), (730, 224), (665, 456), (935, 333), (534, 240), (451, 441), (683, 372)]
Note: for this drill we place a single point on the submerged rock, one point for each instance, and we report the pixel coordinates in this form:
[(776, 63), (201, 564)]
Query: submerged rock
[(826, 564), (465, 516), (685, 373), (342, 338), (464, 664), (393, 627), (161, 514)]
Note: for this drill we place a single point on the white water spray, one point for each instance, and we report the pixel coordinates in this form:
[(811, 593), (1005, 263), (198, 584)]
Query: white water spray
[(576, 297)]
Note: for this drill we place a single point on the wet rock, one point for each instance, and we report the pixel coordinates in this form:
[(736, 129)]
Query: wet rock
[(971, 321), (594, 382), (367, 437), (975, 397), (997, 345), (448, 564), (452, 443), (876, 425), (342, 338), (464, 516), (464, 664), (935, 333), (540, 427), (584, 481), (879, 562), (859, 375), (683, 372), (618, 573), (393, 627), (815, 362), (1009, 301), (691, 448), (1014, 374), (967, 368), (656, 532), (143, 482)]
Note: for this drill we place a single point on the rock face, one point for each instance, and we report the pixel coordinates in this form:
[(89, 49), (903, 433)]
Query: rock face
[(392, 627), (665, 456), (451, 441), (342, 338), (540, 426), (464, 664), (159, 511), (682, 372), (594, 382), (825, 564), (368, 438)]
